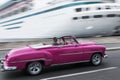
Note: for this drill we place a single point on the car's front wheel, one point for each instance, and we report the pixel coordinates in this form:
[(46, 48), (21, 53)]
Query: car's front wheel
[(34, 68), (96, 59)]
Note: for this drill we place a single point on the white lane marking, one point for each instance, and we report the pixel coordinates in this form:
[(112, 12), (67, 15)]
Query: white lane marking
[(75, 74)]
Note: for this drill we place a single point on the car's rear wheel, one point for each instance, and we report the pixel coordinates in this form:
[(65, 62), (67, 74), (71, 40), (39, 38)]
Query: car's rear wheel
[(96, 59), (34, 68)]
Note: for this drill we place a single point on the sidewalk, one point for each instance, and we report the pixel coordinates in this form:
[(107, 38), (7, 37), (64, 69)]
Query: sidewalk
[(98, 40)]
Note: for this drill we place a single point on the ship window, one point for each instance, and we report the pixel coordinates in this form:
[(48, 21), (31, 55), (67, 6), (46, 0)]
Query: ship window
[(85, 17), (16, 12), (118, 15), (75, 18), (107, 7), (87, 9), (98, 16), (78, 9), (98, 8), (24, 9), (111, 15)]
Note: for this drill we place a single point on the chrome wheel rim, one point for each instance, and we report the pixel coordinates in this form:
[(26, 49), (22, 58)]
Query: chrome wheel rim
[(35, 68), (96, 59)]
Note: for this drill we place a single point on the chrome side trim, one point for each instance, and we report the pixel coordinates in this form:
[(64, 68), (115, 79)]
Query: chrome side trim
[(32, 60), (92, 52), (71, 63), (66, 54)]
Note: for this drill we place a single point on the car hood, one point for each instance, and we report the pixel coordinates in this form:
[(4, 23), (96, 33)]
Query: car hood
[(23, 53), (27, 49), (19, 51)]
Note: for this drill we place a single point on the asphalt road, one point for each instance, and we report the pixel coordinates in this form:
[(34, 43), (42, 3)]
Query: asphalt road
[(108, 70), (112, 45)]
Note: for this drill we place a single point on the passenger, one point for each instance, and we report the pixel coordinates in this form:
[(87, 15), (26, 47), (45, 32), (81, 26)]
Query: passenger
[(55, 41)]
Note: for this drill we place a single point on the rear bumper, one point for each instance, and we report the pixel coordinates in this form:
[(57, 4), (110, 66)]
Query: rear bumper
[(105, 56), (3, 67)]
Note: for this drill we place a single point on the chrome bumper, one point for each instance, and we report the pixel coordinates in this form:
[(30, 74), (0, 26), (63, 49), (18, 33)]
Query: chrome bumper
[(6, 68), (105, 56)]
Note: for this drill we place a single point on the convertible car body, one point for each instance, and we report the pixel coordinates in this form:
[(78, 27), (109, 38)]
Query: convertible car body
[(34, 57)]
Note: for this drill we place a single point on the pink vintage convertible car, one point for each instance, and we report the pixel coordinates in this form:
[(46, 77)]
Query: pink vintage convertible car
[(33, 58)]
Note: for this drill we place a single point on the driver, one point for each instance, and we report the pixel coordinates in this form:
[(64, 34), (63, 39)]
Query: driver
[(55, 41)]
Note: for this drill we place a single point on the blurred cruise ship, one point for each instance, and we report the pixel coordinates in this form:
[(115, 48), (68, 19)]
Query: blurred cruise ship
[(30, 19)]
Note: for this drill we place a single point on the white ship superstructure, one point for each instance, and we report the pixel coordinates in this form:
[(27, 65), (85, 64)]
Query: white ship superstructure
[(117, 1), (40, 19)]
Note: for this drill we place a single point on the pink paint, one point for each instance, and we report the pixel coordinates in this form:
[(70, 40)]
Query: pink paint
[(53, 54)]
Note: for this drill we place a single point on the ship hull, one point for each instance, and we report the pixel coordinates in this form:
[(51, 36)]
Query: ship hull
[(59, 23)]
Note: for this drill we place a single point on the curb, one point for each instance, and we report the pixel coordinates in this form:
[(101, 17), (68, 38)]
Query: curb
[(107, 49), (112, 48), (6, 49)]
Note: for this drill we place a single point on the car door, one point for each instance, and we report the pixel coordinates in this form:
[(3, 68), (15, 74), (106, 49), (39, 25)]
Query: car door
[(70, 53), (55, 52)]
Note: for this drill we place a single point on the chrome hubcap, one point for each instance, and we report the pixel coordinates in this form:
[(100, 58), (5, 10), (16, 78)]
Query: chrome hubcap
[(35, 68), (96, 59)]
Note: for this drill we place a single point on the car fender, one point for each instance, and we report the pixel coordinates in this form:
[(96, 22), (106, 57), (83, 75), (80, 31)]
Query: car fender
[(48, 58)]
